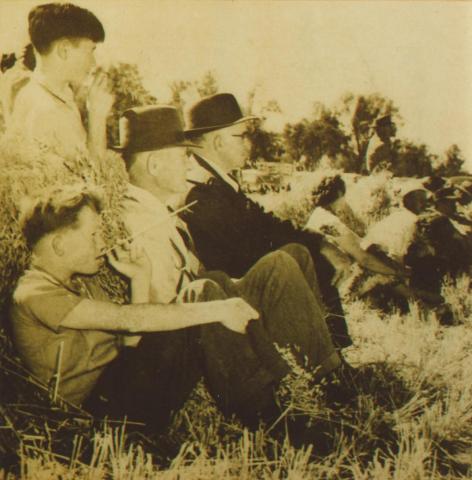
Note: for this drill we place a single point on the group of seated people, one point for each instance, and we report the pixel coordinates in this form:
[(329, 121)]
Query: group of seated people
[(407, 254), (220, 289)]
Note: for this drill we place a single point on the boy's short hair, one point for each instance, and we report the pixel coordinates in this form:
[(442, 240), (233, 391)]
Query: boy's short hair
[(52, 21), (56, 209)]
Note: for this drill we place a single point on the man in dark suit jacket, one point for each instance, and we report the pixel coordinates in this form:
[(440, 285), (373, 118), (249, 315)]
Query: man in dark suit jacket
[(231, 232)]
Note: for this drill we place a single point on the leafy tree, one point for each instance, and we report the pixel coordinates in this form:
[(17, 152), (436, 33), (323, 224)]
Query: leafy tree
[(314, 139), (452, 164), (294, 135), (126, 84), (208, 85), (177, 88), (264, 145), (412, 160)]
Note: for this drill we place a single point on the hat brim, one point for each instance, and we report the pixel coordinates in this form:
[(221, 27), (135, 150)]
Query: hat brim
[(217, 127), (121, 148)]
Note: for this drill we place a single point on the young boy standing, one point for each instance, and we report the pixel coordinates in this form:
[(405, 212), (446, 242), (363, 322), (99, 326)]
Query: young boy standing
[(64, 38)]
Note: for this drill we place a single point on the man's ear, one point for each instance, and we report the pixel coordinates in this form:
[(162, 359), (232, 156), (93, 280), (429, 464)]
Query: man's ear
[(57, 243), (152, 165), (217, 142), (61, 47)]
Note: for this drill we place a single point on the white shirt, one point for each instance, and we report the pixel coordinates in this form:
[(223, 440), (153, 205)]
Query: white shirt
[(43, 115), (393, 234), (324, 222), (148, 217)]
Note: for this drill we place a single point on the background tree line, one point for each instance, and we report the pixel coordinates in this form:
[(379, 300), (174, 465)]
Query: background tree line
[(348, 135)]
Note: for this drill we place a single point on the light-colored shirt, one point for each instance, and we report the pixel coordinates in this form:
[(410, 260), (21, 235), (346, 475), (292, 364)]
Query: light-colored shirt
[(149, 219), (40, 305), (393, 234), (323, 221), (40, 114)]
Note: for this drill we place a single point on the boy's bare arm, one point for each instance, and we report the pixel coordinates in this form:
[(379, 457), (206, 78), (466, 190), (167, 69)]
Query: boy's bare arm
[(233, 313), (131, 260)]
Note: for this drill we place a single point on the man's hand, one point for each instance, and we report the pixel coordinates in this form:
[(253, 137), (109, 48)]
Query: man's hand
[(236, 314), (131, 260), (99, 98)]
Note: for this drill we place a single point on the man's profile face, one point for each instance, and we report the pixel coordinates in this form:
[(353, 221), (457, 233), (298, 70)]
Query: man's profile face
[(81, 59), (83, 244), (170, 168), (234, 146)]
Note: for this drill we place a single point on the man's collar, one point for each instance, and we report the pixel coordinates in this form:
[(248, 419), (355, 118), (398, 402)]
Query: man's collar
[(43, 82), (216, 171), (147, 201), (72, 285)]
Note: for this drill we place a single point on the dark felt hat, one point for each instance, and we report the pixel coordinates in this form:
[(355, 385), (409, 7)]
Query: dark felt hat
[(144, 129), (385, 121), (214, 112)]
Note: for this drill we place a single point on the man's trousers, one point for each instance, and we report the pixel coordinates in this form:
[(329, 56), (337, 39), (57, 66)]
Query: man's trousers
[(149, 382)]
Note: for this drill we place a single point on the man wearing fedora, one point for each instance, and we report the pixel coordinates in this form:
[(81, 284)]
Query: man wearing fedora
[(242, 370), (230, 231)]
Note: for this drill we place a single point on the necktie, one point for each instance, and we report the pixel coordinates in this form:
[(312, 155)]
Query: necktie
[(184, 267), (184, 271)]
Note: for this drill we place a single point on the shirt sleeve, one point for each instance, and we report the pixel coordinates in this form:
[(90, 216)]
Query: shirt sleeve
[(51, 307)]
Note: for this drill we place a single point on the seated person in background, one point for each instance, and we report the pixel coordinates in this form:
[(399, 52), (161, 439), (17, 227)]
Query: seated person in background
[(231, 232), (67, 332), (441, 245), (382, 279), (64, 38), (450, 201), (433, 183), (281, 286), (425, 242), (452, 197), (392, 236), (334, 218)]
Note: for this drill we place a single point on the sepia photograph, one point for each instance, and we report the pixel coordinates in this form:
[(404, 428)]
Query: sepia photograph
[(235, 239)]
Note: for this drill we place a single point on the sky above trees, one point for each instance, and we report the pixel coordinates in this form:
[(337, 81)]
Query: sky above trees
[(415, 53)]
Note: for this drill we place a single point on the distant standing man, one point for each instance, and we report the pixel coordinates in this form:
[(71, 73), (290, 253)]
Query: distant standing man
[(231, 232)]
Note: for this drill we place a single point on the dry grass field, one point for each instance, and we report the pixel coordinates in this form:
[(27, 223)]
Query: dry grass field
[(412, 418)]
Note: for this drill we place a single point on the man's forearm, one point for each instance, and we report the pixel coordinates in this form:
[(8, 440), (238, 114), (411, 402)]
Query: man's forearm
[(135, 318)]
